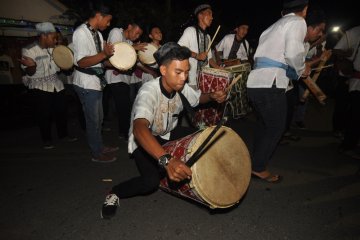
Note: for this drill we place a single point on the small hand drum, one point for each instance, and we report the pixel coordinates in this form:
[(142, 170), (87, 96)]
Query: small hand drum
[(124, 56), (147, 56), (63, 57)]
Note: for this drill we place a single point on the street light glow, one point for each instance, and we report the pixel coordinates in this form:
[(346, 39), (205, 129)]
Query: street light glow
[(336, 29)]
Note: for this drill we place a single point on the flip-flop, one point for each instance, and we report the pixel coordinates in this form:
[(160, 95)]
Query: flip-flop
[(269, 179)]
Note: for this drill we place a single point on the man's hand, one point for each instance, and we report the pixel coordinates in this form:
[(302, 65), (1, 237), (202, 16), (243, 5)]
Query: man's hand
[(307, 71), (108, 49), (177, 170), (202, 56), (26, 61), (218, 96), (140, 46)]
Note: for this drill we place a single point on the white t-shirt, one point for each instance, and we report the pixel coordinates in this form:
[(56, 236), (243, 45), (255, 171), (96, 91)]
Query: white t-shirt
[(84, 46), (189, 39), (117, 35), (45, 77), (283, 42), (161, 112), (225, 46), (352, 41), (6, 64)]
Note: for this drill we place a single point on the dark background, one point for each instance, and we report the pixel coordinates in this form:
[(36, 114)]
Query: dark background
[(172, 15)]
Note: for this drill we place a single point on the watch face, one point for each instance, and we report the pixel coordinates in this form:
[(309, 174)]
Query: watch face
[(164, 160)]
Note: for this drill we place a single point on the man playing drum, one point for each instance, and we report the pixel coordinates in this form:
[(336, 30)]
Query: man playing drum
[(120, 81), (280, 56), (235, 46), (90, 52), (45, 85), (197, 40), (154, 120)]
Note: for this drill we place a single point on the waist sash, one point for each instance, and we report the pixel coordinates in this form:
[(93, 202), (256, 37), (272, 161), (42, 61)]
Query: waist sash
[(97, 71), (264, 62)]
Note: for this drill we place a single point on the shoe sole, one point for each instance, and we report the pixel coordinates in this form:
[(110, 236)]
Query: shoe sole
[(98, 161), (51, 147)]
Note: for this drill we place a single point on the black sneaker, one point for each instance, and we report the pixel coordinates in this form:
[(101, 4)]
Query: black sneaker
[(300, 125), (109, 207)]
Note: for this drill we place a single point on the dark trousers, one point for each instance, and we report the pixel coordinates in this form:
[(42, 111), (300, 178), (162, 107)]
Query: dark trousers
[(150, 172), (270, 105), (106, 101), (292, 97), (49, 107), (121, 94), (352, 129), (76, 104), (341, 106)]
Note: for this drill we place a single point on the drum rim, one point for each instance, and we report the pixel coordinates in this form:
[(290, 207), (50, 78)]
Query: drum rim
[(134, 54), (68, 50), (195, 182), (141, 54)]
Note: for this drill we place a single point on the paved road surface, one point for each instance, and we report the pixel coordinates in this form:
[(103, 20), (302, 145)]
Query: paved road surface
[(57, 194)]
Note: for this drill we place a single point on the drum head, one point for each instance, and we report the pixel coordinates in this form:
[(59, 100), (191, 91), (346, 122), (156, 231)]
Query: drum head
[(222, 174), (63, 57), (146, 56), (124, 56)]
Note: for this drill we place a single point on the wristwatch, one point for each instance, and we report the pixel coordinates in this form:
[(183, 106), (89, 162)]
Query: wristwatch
[(164, 160)]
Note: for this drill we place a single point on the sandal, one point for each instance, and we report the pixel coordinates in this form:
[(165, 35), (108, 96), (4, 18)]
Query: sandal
[(269, 179)]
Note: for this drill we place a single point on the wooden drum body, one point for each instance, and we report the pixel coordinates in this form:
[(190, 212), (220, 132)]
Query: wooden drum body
[(221, 175)]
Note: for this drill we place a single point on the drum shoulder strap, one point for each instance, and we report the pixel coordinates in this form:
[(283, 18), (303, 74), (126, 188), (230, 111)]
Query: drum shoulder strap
[(189, 110)]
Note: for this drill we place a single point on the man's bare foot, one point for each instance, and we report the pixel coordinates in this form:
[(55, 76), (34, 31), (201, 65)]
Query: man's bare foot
[(267, 176)]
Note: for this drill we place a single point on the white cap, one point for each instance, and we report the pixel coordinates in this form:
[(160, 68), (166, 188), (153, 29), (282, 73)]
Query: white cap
[(45, 27)]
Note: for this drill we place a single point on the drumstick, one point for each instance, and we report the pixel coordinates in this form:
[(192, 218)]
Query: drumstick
[(212, 40), (319, 68), (233, 82)]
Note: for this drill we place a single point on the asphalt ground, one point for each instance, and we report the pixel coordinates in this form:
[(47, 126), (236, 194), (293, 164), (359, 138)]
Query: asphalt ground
[(58, 193)]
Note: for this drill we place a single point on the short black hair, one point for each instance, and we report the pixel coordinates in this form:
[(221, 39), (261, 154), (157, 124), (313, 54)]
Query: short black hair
[(96, 7), (294, 6), (315, 17), (171, 51)]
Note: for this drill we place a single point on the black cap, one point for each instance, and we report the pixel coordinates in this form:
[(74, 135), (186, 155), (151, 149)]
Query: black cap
[(171, 51), (200, 8)]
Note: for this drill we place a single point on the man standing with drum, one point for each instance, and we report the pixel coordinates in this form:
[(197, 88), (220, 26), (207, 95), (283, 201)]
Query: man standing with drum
[(120, 81), (280, 56), (90, 53), (197, 40), (235, 46), (45, 85), (154, 120)]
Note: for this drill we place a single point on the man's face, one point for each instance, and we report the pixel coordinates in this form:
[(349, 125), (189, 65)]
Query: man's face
[(206, 17), (175, 74), (104, 21), (135, 32), (242, 31), (314, 33), (50, 39), (156, 34)]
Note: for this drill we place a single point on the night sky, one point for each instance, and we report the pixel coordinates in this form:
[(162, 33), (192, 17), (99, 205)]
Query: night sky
[(260, 14)]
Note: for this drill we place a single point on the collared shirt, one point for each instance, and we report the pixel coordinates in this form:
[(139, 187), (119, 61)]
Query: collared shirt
[(161, 110), (45, 77), (225, 46), (189, 39), (283, 42), (117, 35), (351, 39), (84, 46)]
